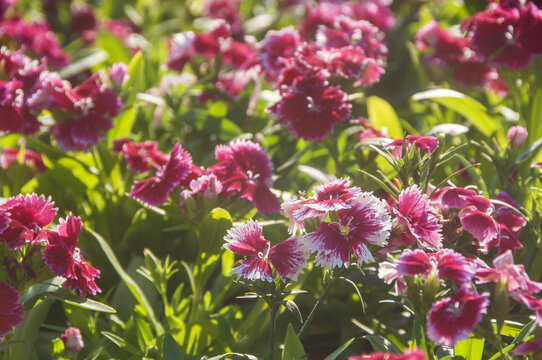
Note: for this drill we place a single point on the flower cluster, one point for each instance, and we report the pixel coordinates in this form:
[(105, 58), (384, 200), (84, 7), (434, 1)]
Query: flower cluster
[(342, 43), (34, 37), (505, 34), (25, 223), (82, 113), (244, 170)]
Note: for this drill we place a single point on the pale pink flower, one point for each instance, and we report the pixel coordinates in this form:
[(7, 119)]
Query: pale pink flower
[(515, 275)]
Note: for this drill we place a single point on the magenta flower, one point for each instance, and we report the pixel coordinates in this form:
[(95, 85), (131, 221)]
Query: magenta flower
[(11, 312), (366, 222), (446, 264), (36, 37), (288, 258), (155, 190), (93, 104), (483, 228), (28, 216), (72, 339), (277, 46), (527, 347), (332, 196), (464, 310), (425, 143), (140, 155), (240, 55), (311, 108), (415, 262), (417, 223), (65, 259), (245, 169)]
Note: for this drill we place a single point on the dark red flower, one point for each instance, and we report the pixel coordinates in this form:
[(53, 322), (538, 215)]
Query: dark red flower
[(227, 10), (240, 55), (507, 36), (312, 107), (36, 37), (11, 312)]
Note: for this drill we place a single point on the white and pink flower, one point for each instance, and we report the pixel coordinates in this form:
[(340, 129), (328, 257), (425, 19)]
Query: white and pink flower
[(288, 258)]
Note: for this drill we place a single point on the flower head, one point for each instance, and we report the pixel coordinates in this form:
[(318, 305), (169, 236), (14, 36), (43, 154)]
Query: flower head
[(28, 216), (155, 190), (311, 107), (288, 257), (65, 258), (245, 169), (11, 312), (414, 216), (366, 222), (464, 310)]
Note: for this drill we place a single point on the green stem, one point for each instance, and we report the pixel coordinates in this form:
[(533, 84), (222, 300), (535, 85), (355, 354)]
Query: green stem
[(316, 306), (273, 311)]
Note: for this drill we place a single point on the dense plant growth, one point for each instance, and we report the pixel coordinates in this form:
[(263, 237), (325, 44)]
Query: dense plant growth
[(224, 179)]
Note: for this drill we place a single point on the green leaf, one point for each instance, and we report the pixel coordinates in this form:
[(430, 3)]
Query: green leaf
[(469, 108), (382, 115), (471, 348), (28, 330), (293, 350), (171, 349), (219, 109), (534, 123), (4, 345), (291, 306), (381, 344), (81, 302), (37, 290), (134, 288), (122, 125), (83, 64), (340, 350), (120, 342), (114, 47), (136, 82), (525, 332), (212, 230)]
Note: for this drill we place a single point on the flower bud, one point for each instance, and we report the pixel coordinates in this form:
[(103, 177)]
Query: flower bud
[(73, 341), (517, 136), (117, 74)]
